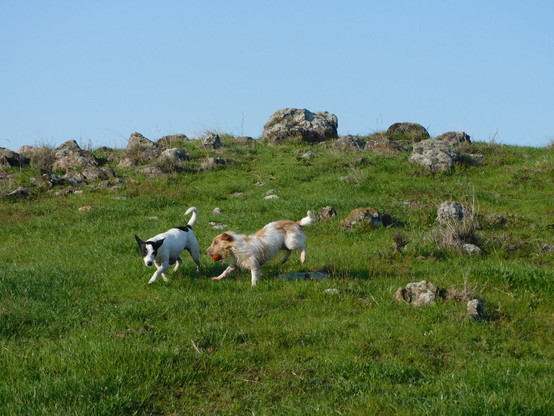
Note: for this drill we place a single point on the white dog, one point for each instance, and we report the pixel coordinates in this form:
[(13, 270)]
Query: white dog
[(252, 252), (165, 249)]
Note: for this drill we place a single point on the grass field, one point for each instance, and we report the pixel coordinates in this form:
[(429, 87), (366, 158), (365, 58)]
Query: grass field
[(82, 333)]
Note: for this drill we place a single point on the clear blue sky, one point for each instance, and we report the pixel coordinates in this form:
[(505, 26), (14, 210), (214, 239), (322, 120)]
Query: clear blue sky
[(96, 71)]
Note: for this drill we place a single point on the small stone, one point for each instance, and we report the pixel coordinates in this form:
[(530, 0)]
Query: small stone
[(476, 309)]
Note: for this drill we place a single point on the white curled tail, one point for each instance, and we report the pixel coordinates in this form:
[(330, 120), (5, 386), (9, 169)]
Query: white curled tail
[(309, 219), (194, 217)]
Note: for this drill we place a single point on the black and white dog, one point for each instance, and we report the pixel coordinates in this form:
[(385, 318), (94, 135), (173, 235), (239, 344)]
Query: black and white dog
[(165, 248)]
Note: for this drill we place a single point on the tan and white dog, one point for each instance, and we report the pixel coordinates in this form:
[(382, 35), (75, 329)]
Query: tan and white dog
[(253, 251)]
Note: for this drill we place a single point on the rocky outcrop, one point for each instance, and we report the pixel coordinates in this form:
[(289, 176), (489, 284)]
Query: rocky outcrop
[(292, 124), (211, 141), (455, 138), (9, 158), (69, 156), (434, 155), (173, 140), (411, 132)]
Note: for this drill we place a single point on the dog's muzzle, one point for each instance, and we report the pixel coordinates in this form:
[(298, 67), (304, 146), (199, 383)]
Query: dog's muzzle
[(149, 263)]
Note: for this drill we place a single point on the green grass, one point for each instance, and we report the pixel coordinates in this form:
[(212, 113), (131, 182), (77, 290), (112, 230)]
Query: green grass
[(81, 332)]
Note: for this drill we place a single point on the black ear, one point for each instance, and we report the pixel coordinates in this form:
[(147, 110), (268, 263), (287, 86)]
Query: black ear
[(158, 244), (139, 241)]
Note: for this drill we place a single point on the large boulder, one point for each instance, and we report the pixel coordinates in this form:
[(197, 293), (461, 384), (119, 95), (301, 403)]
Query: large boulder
[(211, 141), (173, 140), (9, 158), (411, 132), (434, 155), (140, 150), (138, 141), (292, 124), (69, 156), (455, 138)]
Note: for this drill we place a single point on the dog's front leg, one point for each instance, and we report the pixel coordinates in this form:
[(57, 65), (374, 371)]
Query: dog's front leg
[(160, 271), (256, 274), (230, 269)]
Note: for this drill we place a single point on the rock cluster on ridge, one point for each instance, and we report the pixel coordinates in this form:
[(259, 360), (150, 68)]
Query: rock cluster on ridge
[(293, 124)]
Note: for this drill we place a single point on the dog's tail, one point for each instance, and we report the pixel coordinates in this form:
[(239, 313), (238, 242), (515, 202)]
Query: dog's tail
[(309, 219), (194, 216)]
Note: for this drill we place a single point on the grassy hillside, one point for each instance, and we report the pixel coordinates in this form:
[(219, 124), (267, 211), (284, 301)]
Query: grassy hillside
[(81, 331)]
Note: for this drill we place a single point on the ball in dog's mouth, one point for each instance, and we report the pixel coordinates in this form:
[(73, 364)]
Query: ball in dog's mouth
[(216, 257)]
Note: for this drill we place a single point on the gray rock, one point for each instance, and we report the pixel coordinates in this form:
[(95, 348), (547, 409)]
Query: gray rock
[(359, 216), (138, 142), (418, 293), (212, 163), (94, 174), (384, 146), (472, 249), (70, 147), (292, 124), (211, 141), (411, 132), (69, 156), (173, 140), (455, 138), (349, 143), (151, 171), (308, 155), (74, 178), (20, 192), (9, 158), (217, 225), (452, 212), (476, 310), (434, 155), (173, 155)]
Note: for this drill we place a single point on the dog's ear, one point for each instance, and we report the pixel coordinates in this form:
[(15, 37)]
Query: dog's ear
[(139, 241), (226, 237), (158, 244)]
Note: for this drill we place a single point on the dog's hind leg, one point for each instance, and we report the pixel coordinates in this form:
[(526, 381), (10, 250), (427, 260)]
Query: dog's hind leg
[(286, 256), (195, 254), (194, 251), (303, 256)]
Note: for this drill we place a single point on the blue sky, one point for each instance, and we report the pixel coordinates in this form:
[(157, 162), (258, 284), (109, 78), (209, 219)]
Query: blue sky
[(96, 71)]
